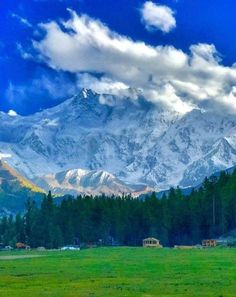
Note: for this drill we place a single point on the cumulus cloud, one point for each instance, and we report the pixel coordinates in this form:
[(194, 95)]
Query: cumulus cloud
[(165, 74), (158, 17)]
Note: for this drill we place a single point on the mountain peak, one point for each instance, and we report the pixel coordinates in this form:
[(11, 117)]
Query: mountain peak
[(86, 93)]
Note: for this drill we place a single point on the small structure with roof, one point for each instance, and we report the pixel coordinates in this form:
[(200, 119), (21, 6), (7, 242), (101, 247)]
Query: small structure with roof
[(209, 243), (151, 242), (22, 246)]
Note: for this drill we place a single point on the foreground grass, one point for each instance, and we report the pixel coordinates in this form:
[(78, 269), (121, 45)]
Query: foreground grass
[(131, 272)]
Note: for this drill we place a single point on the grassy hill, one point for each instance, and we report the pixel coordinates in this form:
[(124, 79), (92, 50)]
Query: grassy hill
[(120, 272)]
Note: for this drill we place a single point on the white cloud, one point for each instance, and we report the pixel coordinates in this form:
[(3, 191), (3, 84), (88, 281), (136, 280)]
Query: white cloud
[(24, 54), (158, 17), (3, 156), (22, 20), (104, 85), (12, 113), (165, 74)]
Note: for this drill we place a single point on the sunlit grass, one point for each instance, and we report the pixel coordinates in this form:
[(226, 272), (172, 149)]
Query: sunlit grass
[(107, 272)]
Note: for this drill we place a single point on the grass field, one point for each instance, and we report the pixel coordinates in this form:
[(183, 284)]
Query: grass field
[(108, 272)]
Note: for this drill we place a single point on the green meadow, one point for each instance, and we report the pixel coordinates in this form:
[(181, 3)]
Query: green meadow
[(108, 272)]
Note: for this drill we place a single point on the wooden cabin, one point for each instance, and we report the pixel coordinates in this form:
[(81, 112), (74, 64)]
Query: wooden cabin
[(151, 242), (209, 243), (22, 246)]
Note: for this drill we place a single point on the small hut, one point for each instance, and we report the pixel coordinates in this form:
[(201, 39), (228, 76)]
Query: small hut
[(209, 243), (151, 242), (22, 246)]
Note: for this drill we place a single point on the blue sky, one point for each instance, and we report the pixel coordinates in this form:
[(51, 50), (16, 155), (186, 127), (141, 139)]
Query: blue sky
[(28, 82)]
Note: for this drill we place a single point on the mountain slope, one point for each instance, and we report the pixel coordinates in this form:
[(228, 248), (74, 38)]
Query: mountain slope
[(136, 141), (15, 190), (9, 178)]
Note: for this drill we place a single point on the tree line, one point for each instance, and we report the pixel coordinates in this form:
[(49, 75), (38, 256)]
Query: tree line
[(175, 218)]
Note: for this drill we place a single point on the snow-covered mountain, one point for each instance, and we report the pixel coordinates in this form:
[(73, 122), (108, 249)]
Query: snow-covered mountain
[(136, 141), (79, 181)]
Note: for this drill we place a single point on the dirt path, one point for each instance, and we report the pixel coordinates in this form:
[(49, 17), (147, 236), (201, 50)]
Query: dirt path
[(19, 257)]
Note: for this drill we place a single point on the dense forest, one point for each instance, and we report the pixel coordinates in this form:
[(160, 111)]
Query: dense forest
[(207, 212)]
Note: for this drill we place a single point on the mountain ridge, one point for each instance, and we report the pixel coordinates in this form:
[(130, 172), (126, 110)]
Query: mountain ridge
[(85, 182), (136, 141)]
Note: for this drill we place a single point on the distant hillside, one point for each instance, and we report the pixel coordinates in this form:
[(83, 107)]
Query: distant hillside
[(15, 190)]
